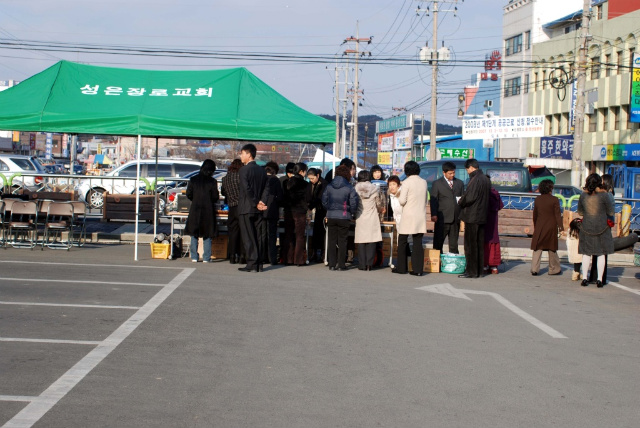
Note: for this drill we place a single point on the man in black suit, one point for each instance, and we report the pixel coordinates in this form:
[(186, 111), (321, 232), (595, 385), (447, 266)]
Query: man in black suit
[(445, 211), (253, 192), (473, 211)]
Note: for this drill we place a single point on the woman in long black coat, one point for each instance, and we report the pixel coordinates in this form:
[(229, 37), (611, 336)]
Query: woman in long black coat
[(202, 191), (297, 195)]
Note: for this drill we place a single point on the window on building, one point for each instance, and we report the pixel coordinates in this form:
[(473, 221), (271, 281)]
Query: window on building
[(527, 40), (605, 119), (526, 84), (513, 45), (544, 79), (624, 117), (512, 87), (567, 30), (607, 65), (620, 62), (535, 81), (595, 68), (599, 12), (565, 124), (632, 52), (615, 116), (549, 123), (593, 122)]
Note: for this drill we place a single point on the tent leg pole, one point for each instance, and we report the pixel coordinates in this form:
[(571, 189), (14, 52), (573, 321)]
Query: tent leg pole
[(137, 198), (155, 200)]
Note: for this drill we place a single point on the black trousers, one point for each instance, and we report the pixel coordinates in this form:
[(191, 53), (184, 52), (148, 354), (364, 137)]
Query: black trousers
[(294, 230), (317, 243), (249, 226), (366, 254), (338, 230), (272, 233), (443, 230), (233, 229), (474, 248), (417, 253), (262, 230)]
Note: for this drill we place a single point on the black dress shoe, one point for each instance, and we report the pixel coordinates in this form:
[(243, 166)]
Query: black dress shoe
[(395, 270), (417, 273), (584, 283), (534, 273), (342, 269), (368, 268), (465, 275), (248, 269), (599, 284), (332, 268)]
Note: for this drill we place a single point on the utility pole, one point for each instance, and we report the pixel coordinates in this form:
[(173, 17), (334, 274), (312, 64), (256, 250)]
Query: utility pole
[(366, 134), (578, 132), (336, 146), (356, 89), (436, 55)]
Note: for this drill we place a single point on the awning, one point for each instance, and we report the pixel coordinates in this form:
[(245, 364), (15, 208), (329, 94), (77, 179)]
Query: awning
[(102, 160)]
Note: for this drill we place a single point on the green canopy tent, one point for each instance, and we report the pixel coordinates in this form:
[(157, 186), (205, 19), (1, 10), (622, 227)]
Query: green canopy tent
[(211, 104)]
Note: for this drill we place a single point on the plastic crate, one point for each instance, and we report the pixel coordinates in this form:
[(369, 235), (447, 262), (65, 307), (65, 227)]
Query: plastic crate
[(453, 263), (160, 251)]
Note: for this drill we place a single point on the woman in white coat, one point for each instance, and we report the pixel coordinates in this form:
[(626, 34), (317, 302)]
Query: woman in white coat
[(413, 199), (368, 233)]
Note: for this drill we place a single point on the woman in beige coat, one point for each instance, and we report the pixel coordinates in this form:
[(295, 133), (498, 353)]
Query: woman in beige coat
[(368, 233), (413, 199)]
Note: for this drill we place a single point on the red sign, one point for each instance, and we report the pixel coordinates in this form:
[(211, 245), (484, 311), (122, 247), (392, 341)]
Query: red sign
[(493, 61)]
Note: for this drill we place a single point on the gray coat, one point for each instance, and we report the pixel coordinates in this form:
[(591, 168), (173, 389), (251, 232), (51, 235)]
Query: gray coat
[(367, 216), (595, 234)]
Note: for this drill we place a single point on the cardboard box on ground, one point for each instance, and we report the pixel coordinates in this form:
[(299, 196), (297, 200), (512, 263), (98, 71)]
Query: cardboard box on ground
[(218, 247)]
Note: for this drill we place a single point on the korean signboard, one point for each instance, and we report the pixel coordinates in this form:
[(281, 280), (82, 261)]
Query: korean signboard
[(385, 142), (616, 152), (394, 123), (400, 158), (557, 147), (48, 154), (456, 153), (503, 127), (635, 90), (384, 158), (403, 139)]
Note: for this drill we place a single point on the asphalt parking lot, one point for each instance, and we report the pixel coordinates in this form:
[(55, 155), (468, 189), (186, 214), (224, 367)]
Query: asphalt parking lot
[(92, 338)]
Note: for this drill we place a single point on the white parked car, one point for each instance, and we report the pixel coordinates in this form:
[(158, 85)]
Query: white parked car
[(11, 164), (121, 179)]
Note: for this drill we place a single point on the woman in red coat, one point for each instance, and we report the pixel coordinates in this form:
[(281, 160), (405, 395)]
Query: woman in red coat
[(547, 221)]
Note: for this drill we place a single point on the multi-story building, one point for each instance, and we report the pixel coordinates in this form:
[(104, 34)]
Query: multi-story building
[(522, 28), (613, 40)]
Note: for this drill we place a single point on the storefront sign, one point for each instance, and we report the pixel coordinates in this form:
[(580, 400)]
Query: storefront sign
[(65, 145), (616, 152), (572, 111), (503, 127), (48, 154), (557, 147), (391, 124), (403, 139), (634, 115), (384, 158), (456, 153), (385, 142)]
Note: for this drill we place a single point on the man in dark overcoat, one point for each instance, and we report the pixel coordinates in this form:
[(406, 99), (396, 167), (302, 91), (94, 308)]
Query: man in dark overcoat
[(547, 221), (318, 185), (445, 211), (473, 211), (202, 191), (253, 194)]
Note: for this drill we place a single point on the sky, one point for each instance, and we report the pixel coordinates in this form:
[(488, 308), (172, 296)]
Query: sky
[(289, 44)]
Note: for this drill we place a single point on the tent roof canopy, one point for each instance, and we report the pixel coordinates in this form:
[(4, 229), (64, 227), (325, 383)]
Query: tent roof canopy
[(214, 104)]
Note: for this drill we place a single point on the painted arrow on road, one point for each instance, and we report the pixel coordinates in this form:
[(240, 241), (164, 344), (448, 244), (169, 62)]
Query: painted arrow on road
[(449, 290)]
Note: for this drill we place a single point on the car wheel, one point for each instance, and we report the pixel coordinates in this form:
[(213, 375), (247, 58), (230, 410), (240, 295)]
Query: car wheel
[(95, 198)]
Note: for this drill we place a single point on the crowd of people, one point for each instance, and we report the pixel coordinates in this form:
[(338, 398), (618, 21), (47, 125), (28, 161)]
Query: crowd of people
[(257, 198)]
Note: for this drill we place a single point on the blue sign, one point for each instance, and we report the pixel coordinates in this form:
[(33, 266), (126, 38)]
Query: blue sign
[(557, 147), (572, 111)]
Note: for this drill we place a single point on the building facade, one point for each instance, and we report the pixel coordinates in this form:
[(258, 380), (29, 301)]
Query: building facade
[(612, 45)]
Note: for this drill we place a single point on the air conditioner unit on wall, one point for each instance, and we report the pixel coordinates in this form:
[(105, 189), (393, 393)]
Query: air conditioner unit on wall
[(589, 109)]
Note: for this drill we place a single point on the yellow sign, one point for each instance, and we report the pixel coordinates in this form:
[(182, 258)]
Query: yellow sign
[(384, 158), (99, 151)]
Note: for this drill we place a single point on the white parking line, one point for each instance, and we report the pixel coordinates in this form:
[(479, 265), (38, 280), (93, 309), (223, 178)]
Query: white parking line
[(81, 281), (16, 398), (70, 305), (61, 341), (40, 405), (75, 264)]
